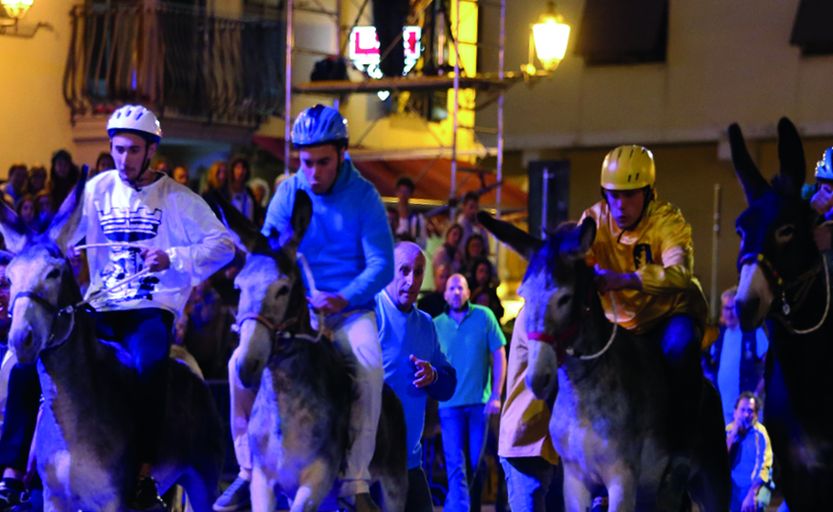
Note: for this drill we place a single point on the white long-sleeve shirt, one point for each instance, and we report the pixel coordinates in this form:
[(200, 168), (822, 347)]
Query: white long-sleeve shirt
[(163, 215)]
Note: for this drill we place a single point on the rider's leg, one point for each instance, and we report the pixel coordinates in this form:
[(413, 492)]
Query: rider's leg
[(681, 338), (359, 334), (527, 482), (237, 496), (18, 430)]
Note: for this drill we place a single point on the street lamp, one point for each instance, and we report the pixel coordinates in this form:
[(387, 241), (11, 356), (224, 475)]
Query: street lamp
[(548, 42), (16, 9)]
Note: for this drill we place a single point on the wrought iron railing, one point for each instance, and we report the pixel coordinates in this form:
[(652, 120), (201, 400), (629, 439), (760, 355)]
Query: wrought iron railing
[(182, 61)]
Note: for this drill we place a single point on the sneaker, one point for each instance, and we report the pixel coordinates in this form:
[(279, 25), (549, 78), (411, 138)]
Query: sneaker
[(146, 496), (235, 497), (12, 493), (674, 485), (358, 503)]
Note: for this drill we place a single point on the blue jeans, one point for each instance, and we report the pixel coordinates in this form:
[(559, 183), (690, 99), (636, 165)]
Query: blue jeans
[(146, 334), (20, 417), (527, 480), (464, 437)]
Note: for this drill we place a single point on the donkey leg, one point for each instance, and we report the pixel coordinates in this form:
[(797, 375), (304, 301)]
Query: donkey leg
[(262, 493), (576, 495), (315, 482), (621, 494), (394, 491), (199, 488)]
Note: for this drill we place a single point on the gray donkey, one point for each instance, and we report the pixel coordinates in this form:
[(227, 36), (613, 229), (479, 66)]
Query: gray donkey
[(298, 430), (609, 416), (87, 430)]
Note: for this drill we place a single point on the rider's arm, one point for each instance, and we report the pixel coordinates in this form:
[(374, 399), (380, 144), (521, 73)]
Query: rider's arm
[(209, 245), (377, 244), (676, 269)]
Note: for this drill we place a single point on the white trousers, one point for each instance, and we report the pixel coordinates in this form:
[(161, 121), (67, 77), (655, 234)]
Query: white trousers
[(355, 334)]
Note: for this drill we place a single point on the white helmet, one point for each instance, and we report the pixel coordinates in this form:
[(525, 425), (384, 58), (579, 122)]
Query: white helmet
[(824, 167), (136, 119)]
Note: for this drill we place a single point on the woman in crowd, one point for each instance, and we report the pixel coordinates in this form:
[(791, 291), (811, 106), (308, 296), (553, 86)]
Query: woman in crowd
[(450, 254), (63, 175)]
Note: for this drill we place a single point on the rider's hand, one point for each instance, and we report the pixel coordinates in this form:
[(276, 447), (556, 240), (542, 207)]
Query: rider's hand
[(748, 504), (327, 302), (155, 259), (608, 280), (425, 374), (492, 406), (822, 200)]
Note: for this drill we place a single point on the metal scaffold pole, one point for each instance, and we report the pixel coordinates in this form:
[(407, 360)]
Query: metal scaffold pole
[(456, 106), (287, 114)]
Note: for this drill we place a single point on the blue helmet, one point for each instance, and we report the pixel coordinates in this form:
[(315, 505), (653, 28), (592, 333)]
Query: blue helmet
[(319, 125)]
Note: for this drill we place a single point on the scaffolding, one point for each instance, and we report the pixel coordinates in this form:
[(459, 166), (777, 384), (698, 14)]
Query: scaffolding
[(495, 83)]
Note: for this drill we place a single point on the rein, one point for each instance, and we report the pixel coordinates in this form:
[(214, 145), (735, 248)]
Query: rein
[(559, 340), (802, 282)]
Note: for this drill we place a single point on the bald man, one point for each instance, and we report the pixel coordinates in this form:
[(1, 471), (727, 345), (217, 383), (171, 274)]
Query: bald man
[(415, 366), (472, 339)]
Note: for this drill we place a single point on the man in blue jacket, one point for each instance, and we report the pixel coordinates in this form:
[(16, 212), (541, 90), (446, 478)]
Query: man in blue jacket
[(349, 248), (415, 367)]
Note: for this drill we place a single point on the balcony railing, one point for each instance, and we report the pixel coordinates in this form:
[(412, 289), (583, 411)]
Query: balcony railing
[(183, 61)]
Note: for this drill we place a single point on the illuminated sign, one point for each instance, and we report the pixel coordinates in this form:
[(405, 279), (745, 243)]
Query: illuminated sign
[(365, 49)]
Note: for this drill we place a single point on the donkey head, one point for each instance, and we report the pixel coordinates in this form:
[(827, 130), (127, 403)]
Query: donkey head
[(550, 290), (776, 228), (271, 289), (41, 278)]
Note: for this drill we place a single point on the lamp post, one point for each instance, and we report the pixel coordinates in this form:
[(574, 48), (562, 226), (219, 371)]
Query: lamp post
[(548, 40), (16, 9)]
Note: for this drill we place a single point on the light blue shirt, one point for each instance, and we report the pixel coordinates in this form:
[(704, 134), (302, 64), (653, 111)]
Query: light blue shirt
[(728, 371), (468, 346), (402, 334)]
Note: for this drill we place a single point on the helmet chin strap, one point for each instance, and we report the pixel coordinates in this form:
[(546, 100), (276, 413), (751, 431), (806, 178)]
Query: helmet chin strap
[(145, 165)]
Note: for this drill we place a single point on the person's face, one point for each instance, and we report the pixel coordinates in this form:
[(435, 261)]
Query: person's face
[(470, 208), (44, 204), (62, 167), (457, 292), (320, 166), (222, 174), (164, 168), (745, 414), (453, 237), (409, 270), (625, 206), (27, 211), (238, 174), (105, 164), (130, 152), (37, 178), (181, 175), (259, 193), (441, 278), (481, 274), (474, 247), (403, 193), (727, 312), (18, 178), (5, 320)]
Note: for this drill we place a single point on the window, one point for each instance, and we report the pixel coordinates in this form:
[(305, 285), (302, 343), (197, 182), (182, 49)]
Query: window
[(616, 32)]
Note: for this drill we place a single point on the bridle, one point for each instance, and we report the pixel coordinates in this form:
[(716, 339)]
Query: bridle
[(55, 311), (802, 282)]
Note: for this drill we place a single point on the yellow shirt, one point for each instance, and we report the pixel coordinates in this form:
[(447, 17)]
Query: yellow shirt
[(660, 251)]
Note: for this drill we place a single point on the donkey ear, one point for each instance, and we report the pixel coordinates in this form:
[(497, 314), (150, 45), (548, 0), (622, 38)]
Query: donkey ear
[(301, 218), (64, 225), (754, 185), (14, 232), (248, 237), (523, 243), (587, 234), (791, 155)]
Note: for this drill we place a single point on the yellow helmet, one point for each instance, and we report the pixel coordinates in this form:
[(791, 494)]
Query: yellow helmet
[(628, 168)]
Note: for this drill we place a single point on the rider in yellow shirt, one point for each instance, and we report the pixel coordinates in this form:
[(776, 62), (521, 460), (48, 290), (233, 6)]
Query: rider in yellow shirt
[(644, 256)]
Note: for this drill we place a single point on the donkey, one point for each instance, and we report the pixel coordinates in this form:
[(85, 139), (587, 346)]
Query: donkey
[(785, 282), (86, 433), (610, 397), (298, 431)]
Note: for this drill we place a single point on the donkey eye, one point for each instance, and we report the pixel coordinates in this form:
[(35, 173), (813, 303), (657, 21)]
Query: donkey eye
[(283, 290), (53, 274), (564, 300), (784, 233)]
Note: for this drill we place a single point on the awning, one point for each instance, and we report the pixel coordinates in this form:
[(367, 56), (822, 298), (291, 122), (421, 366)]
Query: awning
[(432, 177)]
